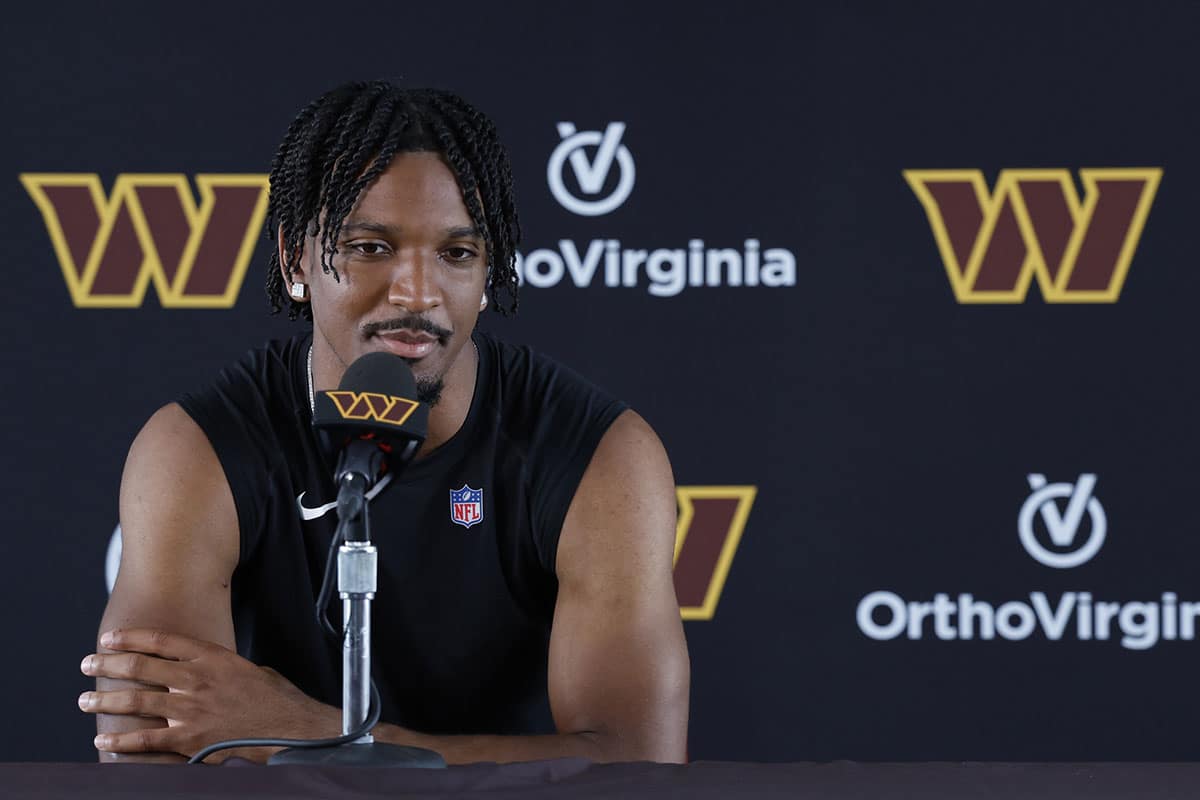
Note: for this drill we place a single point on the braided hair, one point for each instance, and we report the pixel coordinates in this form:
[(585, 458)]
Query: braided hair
[(341, 142)]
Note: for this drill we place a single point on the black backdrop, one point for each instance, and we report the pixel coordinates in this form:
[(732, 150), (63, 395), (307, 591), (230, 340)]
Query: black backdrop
[(890, 430)]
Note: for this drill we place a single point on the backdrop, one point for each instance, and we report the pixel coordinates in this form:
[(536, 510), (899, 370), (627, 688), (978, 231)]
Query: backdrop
[(908, 293)]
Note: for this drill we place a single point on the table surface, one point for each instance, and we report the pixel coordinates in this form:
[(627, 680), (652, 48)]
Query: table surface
[(577, 778)]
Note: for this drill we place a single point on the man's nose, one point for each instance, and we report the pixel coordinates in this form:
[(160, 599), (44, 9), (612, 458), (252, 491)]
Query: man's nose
[(414, 284)]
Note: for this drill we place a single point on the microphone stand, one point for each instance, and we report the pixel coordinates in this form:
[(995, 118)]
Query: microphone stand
[(357, 580)]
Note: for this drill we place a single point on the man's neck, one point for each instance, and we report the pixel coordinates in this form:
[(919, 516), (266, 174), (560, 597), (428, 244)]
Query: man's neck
[(447, 417)]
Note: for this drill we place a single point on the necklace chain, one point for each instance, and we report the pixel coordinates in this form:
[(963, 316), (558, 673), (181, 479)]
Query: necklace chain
[(312, 397)]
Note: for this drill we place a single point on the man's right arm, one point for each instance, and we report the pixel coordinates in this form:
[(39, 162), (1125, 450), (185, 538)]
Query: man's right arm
[(180, 545)]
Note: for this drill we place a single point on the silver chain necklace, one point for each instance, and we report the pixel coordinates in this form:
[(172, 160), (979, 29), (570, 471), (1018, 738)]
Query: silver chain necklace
[(312, 397)]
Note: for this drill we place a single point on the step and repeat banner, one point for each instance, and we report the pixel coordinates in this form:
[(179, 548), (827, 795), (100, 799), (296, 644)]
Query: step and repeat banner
[(909, 295)]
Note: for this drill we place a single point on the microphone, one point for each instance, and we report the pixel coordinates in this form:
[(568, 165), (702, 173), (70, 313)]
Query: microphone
[(373, 422), (375, 425)]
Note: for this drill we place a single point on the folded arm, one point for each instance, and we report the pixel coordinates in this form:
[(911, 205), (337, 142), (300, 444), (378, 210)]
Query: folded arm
[(179, 548), (618, 670)]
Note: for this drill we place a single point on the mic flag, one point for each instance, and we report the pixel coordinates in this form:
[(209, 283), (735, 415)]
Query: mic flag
[(375, 401)]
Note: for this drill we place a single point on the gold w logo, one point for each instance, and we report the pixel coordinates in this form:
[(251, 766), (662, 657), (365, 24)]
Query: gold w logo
[(151, 230), (711, 521), (1034, 225), (372, 405)]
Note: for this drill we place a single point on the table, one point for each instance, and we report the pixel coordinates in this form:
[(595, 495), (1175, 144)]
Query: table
[(578, 778)]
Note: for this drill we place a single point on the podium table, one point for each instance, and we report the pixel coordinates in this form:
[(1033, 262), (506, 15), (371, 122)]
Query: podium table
[(578, 778)]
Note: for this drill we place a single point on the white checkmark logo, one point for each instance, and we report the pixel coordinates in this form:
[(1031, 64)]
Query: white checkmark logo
[(590, 175), (1062, 527)]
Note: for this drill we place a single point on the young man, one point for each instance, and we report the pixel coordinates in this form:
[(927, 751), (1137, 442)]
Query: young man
[(545, 627)]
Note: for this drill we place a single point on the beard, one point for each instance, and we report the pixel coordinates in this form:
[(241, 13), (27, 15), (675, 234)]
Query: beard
[(429, 390)]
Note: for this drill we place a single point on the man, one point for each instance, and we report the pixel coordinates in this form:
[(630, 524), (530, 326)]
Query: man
[(543, 625)]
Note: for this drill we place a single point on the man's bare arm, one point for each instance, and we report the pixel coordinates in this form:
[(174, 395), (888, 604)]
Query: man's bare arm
[(618, 671), (180, 545)]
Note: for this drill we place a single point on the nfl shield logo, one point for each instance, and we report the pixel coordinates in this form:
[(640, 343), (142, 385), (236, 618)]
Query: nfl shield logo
[(466, 506)]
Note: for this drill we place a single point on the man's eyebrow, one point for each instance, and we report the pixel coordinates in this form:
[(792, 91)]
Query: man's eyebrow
[(368, 225), (371, 226)]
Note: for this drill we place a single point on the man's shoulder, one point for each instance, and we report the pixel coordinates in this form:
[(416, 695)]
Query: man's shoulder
[(547, 410), (253, 414), (530, 380), (253, 409), (269, 363), (262, 385), (553, 417)]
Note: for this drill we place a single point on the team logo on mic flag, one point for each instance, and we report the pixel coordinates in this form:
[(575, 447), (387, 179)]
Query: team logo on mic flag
[(466, 506), (372, 405)]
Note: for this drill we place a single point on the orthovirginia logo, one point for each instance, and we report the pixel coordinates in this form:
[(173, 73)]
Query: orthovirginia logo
[(711, 521), (1139, 625), (591, 176), (1034, 225), (151, 230), (1062, 526), (594, 157)]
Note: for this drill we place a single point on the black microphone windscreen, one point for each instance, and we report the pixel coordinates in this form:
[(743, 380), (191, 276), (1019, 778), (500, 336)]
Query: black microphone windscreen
[(382, 373), (377, 396)]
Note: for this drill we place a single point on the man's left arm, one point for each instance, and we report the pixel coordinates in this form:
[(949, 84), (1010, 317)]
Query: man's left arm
[(618, 670)]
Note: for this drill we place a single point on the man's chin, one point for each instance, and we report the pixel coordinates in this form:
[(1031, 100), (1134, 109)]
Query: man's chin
[(429, 390)]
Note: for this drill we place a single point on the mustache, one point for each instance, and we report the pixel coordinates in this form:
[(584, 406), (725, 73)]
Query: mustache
[(411, 323)]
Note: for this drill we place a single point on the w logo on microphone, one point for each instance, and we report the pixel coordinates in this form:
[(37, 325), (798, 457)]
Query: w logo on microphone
[(1034, 225), (372, 405), (150, 230)]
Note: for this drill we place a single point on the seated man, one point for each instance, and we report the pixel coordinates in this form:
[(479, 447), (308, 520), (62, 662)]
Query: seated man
[(546, 625)]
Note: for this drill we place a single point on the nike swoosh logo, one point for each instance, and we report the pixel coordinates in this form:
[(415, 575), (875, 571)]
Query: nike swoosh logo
[(307, 513)]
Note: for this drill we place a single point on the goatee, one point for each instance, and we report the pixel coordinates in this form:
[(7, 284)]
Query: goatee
[(429, 390)]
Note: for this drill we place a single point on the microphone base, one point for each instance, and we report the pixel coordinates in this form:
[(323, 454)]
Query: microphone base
[(373, 754)]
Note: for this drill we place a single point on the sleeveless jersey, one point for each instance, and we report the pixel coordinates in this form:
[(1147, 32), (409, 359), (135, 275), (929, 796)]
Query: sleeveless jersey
[(461, 619)]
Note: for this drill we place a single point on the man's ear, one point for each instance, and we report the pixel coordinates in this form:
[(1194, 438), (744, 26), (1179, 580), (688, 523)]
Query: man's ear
[(295, 260)]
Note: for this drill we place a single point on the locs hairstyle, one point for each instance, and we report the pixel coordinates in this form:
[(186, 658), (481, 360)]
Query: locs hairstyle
[(340, 143)]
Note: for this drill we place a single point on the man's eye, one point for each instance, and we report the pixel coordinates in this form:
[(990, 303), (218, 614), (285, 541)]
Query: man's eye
[(368, 248), (459, 253)]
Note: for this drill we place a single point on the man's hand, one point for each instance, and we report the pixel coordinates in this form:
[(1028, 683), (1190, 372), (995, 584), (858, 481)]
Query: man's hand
[(212, 694)]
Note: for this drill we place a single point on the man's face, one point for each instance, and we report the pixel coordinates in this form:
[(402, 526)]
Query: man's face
[(412, 271)]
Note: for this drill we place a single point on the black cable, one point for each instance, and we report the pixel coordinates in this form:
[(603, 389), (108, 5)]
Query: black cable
[(373, 714), (339, 535), (374, 710)]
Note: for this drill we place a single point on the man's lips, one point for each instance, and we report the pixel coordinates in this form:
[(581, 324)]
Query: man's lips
[(408, 344)]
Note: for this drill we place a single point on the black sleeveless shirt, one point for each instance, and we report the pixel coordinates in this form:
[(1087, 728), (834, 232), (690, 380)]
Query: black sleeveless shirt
[(461, 620)]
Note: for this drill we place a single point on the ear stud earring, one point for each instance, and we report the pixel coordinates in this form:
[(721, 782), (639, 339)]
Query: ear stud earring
[(299, 291)]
